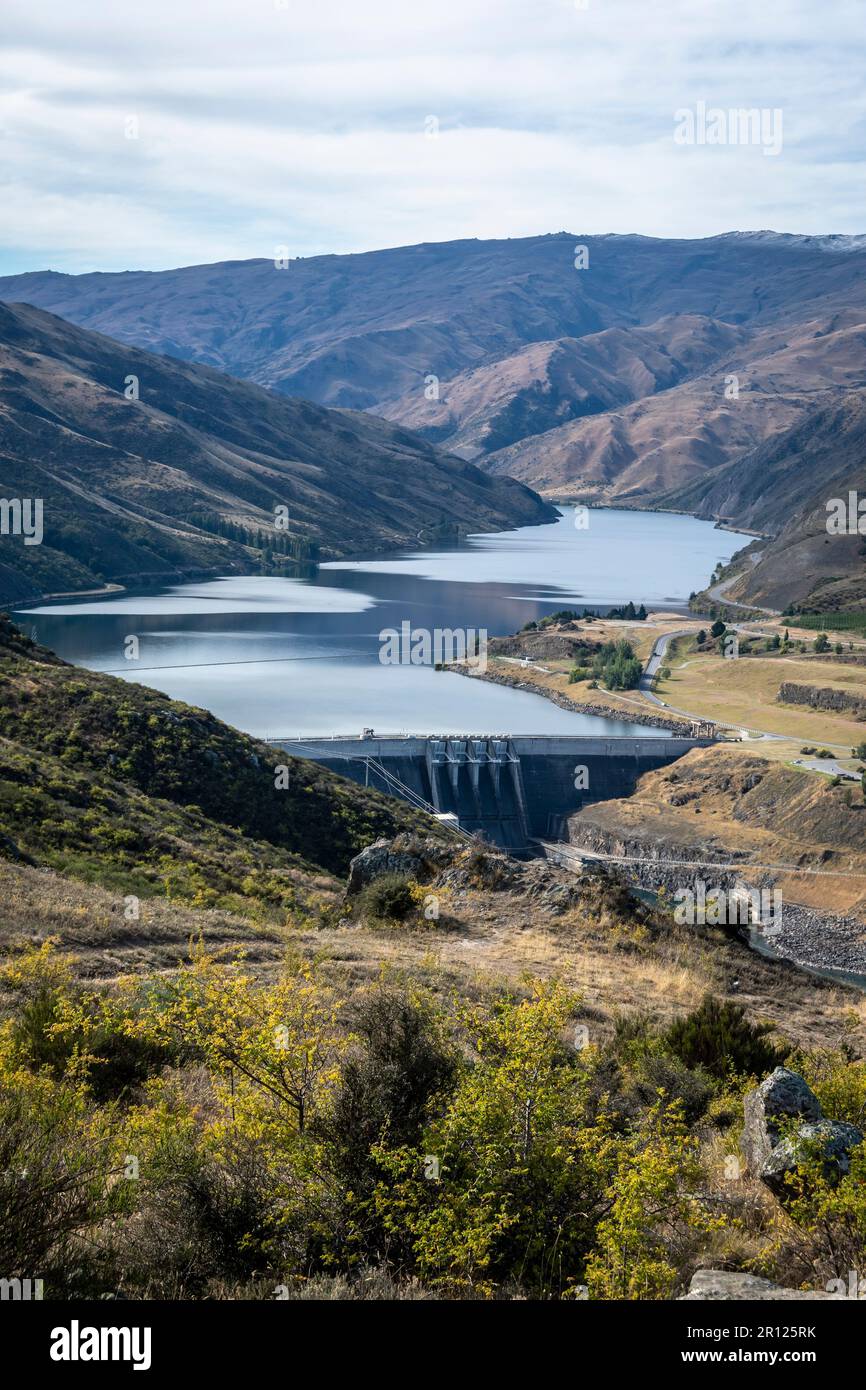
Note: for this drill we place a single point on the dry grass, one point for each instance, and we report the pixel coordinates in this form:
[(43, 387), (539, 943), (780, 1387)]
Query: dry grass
[(36, 904), (606, 950), (744, 692), (741, 693)]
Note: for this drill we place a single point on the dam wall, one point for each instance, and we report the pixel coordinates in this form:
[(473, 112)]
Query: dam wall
[(509, 790)]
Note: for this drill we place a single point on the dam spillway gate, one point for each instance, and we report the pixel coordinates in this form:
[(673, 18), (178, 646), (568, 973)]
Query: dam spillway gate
[(510, 790)]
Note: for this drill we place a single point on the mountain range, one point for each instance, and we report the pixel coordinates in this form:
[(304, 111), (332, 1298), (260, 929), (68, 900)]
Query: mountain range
[(151, 469), (621, 370)]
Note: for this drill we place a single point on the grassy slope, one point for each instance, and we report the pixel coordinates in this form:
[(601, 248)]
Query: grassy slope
[(137, 489), (745, 691), (120, 785)]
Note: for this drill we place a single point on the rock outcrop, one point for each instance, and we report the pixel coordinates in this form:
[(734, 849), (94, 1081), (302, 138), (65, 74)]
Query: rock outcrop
[(714, 1285), (783, 1095), (773, 1149), (382, 857), (821, 697), (830, 1139)]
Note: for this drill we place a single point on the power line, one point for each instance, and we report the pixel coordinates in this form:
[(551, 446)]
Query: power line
[(197, 665)]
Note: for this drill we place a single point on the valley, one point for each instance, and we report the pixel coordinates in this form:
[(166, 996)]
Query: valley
[(660, 374), (432, 679), (150, 470), (173, 881)]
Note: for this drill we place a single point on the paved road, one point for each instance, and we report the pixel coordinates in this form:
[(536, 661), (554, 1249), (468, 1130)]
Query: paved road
[(718, 591), (650, 670), (828, 765), (654, 664)]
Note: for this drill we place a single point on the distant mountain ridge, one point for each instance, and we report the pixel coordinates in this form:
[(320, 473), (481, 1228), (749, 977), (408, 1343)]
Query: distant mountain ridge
[(506, 352), (185, 479), (640, 378)]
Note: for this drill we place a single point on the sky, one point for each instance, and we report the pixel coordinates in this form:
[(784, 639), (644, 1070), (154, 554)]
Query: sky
[(173, 132)]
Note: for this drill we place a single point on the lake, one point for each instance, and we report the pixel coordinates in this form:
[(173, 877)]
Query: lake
[(284, 657)]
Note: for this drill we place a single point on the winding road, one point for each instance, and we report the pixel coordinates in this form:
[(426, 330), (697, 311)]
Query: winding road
[(718, 591)]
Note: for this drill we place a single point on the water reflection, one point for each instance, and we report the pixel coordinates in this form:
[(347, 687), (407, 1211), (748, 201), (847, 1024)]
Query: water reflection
[(300, 656)]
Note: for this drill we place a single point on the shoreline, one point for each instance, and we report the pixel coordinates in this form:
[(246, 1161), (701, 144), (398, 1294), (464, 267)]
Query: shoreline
[(718, 523), (556, 697), (8, 605), (327, 554)]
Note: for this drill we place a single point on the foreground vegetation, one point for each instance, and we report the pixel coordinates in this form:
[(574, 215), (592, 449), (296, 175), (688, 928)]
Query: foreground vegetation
[(205, 1135)]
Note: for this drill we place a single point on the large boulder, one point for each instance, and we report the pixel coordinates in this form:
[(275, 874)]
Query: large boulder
[(783, 1095), (773, 1147), (712, 1285), (829, 1139), (380, 858)]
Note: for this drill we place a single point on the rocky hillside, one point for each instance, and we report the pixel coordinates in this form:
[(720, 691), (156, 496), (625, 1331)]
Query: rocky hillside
[(149, 468), (782, 488)]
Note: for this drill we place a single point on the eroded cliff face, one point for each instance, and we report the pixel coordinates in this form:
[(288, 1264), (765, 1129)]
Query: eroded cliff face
[(727, 818)]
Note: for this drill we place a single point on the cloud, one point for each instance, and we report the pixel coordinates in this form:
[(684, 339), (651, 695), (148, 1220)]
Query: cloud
[(303, 125)]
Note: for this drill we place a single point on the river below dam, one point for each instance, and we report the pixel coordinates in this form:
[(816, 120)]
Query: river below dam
[(301, 657)]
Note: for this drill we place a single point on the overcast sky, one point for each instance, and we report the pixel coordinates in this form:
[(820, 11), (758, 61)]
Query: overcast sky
[(307, 123)]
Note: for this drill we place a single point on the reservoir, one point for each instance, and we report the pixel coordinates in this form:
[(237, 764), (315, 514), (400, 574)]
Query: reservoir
[(300, 657)]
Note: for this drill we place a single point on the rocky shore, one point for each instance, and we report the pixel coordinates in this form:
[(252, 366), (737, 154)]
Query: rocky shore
[(821, 941), (657, 721)]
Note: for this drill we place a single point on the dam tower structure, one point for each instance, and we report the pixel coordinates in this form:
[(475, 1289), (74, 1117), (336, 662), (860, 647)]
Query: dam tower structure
[(511, 790)]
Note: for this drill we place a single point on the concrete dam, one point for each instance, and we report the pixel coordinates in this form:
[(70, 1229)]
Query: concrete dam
[(511, 791)]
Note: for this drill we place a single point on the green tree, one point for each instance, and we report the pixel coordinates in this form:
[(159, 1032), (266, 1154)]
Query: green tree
[(523, 1168)]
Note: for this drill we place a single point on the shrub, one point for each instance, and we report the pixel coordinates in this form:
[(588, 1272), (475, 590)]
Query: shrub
[(203, 1219), (57, 1179), (692, 1087), (617, 667), (388, 898), (718, 1037)]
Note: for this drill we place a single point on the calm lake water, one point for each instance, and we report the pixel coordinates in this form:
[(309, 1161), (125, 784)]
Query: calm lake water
[(282, 657)]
